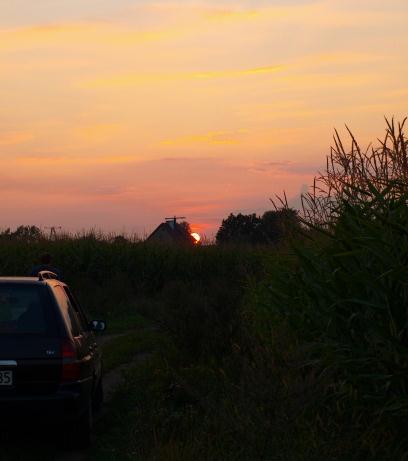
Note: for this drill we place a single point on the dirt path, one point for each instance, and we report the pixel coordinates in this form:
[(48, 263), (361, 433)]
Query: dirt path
[(113, 378), (101, 340)]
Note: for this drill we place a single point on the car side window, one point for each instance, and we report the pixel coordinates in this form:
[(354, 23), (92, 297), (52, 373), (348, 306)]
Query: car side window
[(68, 311), (78, 309)]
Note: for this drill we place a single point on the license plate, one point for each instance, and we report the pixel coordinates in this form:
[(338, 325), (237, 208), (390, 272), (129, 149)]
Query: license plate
[(6, 378)]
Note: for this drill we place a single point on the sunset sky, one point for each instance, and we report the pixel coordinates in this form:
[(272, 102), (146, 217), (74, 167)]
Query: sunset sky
[(115, 113)]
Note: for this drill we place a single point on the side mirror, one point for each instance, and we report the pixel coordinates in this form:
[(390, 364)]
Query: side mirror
[(97, 325)]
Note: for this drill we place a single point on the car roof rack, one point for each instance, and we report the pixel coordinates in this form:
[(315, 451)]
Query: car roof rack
[(47, 275)]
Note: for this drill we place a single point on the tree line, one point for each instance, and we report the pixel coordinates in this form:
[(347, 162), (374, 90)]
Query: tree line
[(270, 228)]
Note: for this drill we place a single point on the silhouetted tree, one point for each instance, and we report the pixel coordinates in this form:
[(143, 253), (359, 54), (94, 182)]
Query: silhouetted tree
[(240, 228), (185, 230), (27, 233), (280, 224), (272, 227)]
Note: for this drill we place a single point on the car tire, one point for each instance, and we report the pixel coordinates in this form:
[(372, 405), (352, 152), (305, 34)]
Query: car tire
[(98, 397)]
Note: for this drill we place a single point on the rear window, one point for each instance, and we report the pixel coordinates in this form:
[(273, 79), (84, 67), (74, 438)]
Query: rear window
[(25, 309)]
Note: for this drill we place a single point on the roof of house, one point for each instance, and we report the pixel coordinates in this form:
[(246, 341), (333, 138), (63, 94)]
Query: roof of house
[(167, 232)]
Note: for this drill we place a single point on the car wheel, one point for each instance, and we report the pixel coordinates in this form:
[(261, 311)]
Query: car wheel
[(98, 397)]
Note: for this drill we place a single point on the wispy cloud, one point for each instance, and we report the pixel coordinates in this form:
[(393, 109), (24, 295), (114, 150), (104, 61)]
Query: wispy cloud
[(213, 137), (85, 34), (293, 168), (232, 15), (15, 137), (132, 79), (100, 132), (66, 160)]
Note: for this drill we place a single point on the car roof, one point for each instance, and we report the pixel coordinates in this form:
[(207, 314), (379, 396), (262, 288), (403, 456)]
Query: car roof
[(28, 280)]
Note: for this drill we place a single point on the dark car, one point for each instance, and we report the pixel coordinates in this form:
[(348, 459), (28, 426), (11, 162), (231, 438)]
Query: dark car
[(50, 364)]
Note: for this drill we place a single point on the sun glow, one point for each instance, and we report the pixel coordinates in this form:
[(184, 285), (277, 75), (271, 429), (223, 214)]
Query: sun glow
[(196, 237)]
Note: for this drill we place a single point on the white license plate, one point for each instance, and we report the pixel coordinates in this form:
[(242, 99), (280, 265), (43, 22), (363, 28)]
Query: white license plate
[(6, 378)]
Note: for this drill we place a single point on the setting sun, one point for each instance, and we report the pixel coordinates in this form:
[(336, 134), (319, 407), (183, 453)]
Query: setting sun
[(196, 237)]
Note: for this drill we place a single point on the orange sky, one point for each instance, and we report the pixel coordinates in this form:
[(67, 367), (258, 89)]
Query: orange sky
[(118, 113)]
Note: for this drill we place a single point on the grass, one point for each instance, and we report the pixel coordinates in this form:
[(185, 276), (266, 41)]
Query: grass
[(127, 346), (127, 320), (153, 416)]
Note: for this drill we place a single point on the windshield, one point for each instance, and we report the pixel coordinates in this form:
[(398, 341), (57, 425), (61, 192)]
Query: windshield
[(24, 309)]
